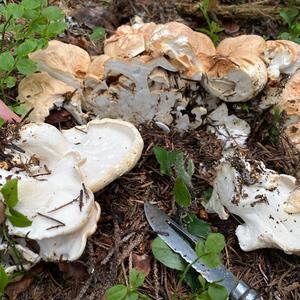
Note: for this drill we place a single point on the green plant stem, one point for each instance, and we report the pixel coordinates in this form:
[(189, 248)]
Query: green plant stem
[(3, 33)]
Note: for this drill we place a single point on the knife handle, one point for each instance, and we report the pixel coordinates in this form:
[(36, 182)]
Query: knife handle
[(243, 292)]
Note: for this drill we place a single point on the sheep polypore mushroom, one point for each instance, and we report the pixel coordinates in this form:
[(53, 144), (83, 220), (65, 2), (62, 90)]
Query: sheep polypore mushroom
[(43, 93), (111, 148), (229, 129), (282, 57), (65, 62), (259, 196), (235, 79)]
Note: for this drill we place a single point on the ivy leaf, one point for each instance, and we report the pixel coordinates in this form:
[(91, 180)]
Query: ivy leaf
[(16, 218), (26, 66), (117, 292), (56, 28), (217, 292), (136, 279), (6, 61), (4, 280), (10, 192), (97, 34), (163, 253), (181, 192), (27, 47), (14, 10), (53, 13)]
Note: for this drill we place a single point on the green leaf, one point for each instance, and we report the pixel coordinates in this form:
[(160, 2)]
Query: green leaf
[(27, 47), (217, 292), (19, 109), (117, 292), (55, 28), (204, 296), (10, 81), (191, 167), (6, 61), (30, 4), (198, 227), (97, 34), (14, 10), (163, 253), (181, 192), (17, 219), (136, 278), (26, 66), (191, 279), (202, 281), (2, 122), (289, 14), (211, 260), (132, 296), (200, 249), (215, 242), (10, 192), (165, 159), (53, 13), (4, 280), (42, 43)]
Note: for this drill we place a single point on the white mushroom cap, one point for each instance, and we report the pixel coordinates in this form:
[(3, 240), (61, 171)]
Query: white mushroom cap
[(7, 255), (242, 45), (235, 79), (229, 129), (282, 56), (70, 246), (43, 93), (111, 148), (259, 196), (64, 62)]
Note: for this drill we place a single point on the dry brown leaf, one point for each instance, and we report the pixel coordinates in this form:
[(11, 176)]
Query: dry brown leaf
[(75, 270), (142, 263)]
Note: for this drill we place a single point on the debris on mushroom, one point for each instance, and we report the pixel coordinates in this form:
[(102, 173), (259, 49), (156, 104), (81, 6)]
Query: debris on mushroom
[(64, 62), (262, 199), (282, 56), (111, 148), (230, 129), (235, 79), (43, 93)]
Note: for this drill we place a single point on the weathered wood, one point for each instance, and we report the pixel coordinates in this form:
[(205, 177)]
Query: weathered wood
[(248, 11)]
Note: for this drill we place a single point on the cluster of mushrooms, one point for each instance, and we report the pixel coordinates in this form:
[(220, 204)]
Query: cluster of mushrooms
[(153, 72)]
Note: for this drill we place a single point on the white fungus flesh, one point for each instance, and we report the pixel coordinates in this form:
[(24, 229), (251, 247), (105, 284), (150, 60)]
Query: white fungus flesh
[(111, 148), (259, 196)]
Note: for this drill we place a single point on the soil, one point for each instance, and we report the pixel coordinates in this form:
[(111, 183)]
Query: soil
[(123, 238)]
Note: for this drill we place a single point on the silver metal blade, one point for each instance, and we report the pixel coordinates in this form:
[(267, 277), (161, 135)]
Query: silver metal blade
[(158, 220)]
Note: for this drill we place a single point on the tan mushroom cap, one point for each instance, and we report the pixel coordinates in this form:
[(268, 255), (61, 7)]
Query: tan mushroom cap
[(41, 92), (199, 42), (235, 79), (65, 62), (282, 56), (96, 69), (242, 45)]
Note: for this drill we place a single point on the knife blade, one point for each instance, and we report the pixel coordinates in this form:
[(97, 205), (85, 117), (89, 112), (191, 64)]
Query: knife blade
[(176, 238)]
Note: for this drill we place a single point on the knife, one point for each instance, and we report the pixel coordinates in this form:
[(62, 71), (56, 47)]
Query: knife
[(180, 240)]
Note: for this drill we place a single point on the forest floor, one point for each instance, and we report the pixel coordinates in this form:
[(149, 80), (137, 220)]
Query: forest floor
[(123, 237)]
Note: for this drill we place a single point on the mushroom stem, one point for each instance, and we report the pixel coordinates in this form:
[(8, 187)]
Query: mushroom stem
[(6, 114)]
